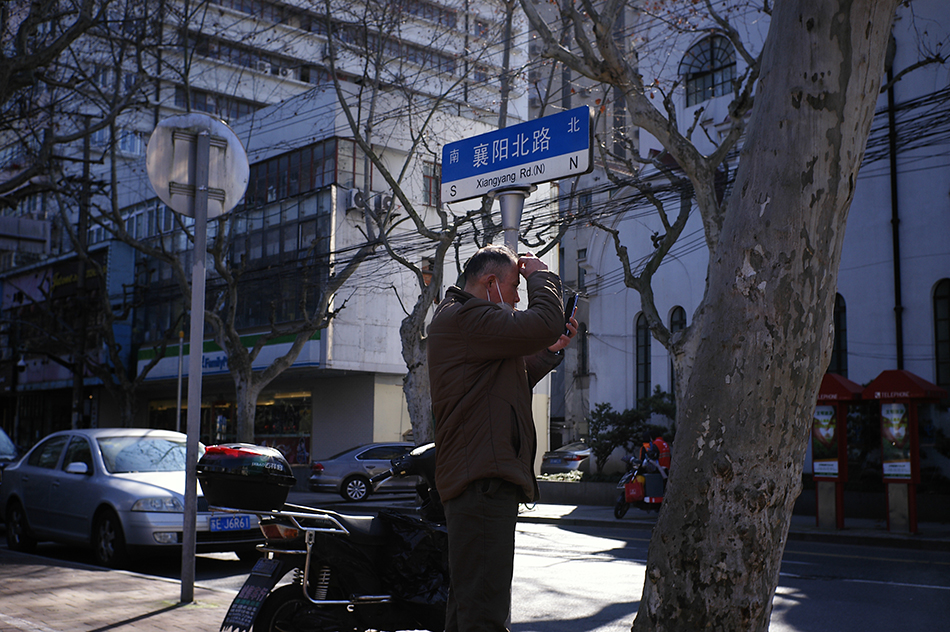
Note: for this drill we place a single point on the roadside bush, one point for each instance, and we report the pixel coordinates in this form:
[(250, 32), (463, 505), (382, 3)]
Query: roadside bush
[(610, 429)]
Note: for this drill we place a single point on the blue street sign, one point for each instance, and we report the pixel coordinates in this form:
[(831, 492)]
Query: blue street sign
[(545, 149)]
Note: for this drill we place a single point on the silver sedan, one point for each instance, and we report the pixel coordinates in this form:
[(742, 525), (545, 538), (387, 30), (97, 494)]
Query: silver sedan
[(349, 472), (118, 490)]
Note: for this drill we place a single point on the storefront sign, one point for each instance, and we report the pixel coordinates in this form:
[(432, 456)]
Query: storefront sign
[(215, 362)]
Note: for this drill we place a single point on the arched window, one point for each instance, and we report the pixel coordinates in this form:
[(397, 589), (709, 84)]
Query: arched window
[(708, 69), (643, 339), (677, 323), (839, 352), (942, 332)]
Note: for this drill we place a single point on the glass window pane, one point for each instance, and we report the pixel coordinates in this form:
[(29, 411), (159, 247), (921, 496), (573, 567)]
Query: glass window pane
[(308, 233), (272, 242), (254, 248), (289, 238), (255, 220), (289, 211)]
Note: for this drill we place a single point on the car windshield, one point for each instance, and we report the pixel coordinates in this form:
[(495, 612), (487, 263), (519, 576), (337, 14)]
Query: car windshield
[(7, 449), (142, 454)]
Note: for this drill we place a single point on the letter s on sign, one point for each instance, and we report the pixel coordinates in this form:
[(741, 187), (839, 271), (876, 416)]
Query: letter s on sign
[(453, 191)]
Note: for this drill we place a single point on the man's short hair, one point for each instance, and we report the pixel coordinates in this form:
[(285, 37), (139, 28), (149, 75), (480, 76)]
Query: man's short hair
[(496, 260)]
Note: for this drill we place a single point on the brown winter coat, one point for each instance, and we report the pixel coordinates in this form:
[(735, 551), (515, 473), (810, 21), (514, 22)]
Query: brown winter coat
[(483, 362)]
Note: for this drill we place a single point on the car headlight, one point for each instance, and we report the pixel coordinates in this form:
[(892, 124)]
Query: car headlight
[(165, 503)]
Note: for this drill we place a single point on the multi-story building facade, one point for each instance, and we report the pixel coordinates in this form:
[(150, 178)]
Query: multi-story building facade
[(230, 59)]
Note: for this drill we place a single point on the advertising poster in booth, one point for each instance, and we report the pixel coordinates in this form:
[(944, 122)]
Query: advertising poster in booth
[(295, 449), (824, 442), (895, 441)]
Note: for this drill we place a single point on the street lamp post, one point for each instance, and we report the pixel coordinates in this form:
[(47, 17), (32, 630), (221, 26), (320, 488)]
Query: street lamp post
[(20, 369)]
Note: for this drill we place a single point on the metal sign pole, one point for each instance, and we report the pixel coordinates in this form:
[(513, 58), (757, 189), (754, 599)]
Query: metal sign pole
[(181, 169), (188, 548), (511, 200), (181, 351)]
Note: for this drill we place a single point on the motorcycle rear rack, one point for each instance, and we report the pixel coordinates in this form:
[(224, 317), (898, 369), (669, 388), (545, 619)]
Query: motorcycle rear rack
[(333, 526)]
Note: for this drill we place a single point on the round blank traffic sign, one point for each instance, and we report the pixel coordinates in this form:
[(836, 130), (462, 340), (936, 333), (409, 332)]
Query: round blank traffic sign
[(171, 159)]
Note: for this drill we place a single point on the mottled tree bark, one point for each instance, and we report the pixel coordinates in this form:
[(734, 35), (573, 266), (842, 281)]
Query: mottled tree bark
[(764, 335)]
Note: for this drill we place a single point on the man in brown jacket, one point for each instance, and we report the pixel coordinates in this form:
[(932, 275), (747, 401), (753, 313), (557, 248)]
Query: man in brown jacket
[(484, 359)]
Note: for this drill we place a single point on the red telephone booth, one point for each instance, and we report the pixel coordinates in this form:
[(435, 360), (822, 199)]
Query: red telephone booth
[(899, 392), (829, 442)]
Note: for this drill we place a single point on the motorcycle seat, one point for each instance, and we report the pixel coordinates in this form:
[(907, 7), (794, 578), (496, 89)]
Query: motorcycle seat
[(363, 529)]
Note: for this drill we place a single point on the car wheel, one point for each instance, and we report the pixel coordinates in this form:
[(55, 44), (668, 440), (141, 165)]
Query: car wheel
[(108, 541), (355, 488), (19, 537)]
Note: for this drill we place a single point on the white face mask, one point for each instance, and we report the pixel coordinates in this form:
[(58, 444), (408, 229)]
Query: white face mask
[(501, 301)]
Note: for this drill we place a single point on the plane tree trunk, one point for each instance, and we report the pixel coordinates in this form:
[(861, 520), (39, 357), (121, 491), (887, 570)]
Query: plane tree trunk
[(764, 333)]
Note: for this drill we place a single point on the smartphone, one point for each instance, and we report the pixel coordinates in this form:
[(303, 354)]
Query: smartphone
[(570, 306)]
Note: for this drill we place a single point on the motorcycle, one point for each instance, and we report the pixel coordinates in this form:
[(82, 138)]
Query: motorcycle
[(350, 572), (643, 486)]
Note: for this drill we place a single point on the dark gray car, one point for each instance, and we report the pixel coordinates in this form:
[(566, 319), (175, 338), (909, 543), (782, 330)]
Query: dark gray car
[(568, 458), (350, 471)]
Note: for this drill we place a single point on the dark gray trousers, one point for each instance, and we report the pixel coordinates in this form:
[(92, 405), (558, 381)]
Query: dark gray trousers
[(481, 526)]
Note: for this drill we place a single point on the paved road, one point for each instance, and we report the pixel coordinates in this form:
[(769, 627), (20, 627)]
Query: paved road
[(590, 579), (578, 578)]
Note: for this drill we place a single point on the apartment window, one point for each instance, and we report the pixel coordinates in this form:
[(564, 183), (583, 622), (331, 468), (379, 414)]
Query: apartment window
[(942, 333), (581, 271), (302, 170), (227, 108), (131, 142), (709, 68), (432, 183), (104, 77), (643, 341), (839, 352), (585, 202), (480, 27), (289, 238), (100, 138), (583, 349), (677, 323)]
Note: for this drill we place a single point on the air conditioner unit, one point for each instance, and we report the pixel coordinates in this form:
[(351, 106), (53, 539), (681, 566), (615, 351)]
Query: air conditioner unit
[(354, 199), (286, 72), (263, 66), (383, 202)]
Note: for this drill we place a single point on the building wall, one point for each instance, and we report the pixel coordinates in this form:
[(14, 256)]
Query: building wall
[(355, 409)]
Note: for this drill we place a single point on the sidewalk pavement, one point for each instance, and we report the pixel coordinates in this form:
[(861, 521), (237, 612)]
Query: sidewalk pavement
[(44, 595)]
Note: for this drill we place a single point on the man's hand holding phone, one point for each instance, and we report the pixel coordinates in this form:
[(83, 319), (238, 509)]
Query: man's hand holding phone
[(570, 325), (570, 307)]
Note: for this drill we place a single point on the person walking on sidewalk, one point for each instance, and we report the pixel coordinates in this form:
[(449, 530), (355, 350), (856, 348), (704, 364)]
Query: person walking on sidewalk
[(484, 359)]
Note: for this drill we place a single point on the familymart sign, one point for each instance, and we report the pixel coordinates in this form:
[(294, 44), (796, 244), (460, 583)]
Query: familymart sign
[(214, 361)]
